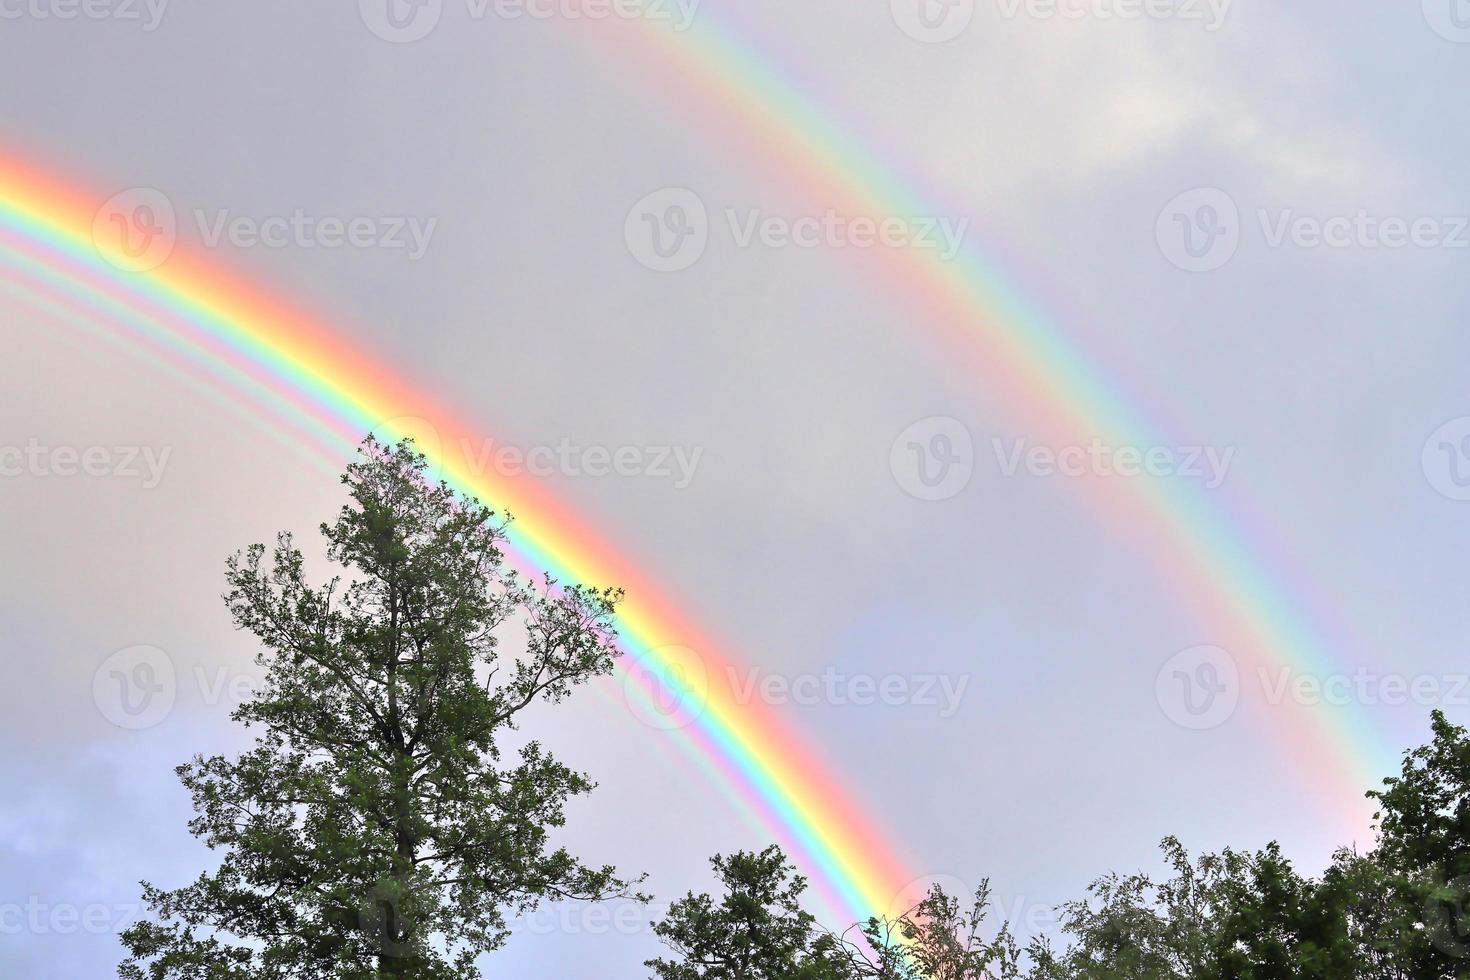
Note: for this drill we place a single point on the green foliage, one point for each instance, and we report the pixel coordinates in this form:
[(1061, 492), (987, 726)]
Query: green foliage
[(1397, 913), (942, 939), (385, 825), (1420, 874), (380, 827), (758, 931)]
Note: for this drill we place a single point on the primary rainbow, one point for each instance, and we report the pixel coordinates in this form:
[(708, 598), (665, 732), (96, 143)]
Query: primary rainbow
[(219, 328), (979, 313), (331, 394)]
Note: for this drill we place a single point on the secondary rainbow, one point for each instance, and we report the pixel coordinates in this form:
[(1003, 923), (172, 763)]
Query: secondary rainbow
[(218, 328), (336, 393), (979, 314)]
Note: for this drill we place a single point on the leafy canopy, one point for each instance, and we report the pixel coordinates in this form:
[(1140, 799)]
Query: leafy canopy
[(382, 825)]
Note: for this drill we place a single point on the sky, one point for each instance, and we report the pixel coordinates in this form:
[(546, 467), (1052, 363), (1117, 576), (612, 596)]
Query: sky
[(1251, 218)]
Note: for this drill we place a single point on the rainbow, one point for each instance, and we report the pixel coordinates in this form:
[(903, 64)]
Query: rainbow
[(214, 328), (983, 322), (329, 394)]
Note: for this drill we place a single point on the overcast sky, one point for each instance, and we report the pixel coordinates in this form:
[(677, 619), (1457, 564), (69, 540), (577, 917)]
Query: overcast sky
[(1251, 214)]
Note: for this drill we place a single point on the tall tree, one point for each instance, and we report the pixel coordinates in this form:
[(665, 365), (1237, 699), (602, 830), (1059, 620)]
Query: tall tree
[(387, 820), (1423, 858), (757, 930)]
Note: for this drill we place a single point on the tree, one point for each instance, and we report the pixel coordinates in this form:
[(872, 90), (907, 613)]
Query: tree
[(756, 931), (938, 939), (377, 828), (1232, 916), (1423, 859), (1399, 912), (1140, 929)]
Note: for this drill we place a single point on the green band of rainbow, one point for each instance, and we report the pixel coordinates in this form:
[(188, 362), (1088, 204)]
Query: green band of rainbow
[(335, 393), (980, 319)]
